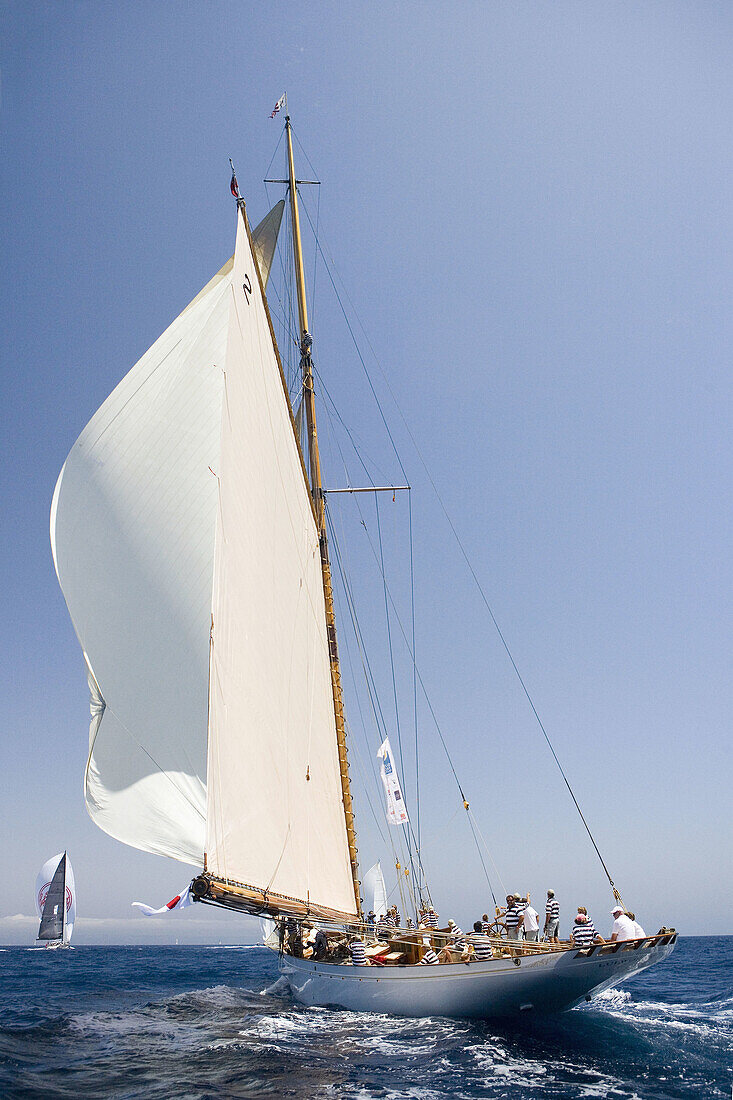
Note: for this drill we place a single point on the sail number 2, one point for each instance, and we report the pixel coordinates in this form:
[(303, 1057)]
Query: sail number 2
[(247, 288)]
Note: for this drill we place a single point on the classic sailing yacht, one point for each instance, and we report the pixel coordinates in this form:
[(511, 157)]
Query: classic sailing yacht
[(56, 902), (188, 529)]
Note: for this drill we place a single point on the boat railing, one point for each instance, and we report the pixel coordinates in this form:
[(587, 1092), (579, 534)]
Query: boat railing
[(407, 943)]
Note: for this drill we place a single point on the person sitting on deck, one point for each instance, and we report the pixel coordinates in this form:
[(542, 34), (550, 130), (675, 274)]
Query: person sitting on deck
[(456, 948), (485, 926), (358, 952), (320, 946), (446, 954), (584, 931), (480, 942), (623, 928), (429, 957), (639, 933), (458, 936)]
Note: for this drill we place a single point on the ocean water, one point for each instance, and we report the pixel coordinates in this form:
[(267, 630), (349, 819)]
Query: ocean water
[(205, 1022)]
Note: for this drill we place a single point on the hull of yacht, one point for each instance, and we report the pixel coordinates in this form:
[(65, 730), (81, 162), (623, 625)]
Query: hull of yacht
[(548, 982)]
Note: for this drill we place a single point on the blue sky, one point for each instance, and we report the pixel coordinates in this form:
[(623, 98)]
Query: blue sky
[(530, 207)]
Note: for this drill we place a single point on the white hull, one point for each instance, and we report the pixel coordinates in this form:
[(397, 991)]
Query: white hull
[(498, 987)]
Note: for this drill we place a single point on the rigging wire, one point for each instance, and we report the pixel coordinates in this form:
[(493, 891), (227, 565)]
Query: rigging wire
[(459, 542), (425, 693), (366, 666), (419, 876), (389, 640), (414, 677), (373, 696)]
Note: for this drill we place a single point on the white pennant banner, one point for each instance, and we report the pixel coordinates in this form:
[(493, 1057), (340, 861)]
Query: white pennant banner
[(396, 812), (180, 901)]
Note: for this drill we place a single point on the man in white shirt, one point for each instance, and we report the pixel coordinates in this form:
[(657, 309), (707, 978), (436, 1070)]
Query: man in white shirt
[(530, 921), (623, 928)]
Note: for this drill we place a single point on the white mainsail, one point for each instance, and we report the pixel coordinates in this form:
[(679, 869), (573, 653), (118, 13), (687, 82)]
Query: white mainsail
[(184, 503), (275, 811)]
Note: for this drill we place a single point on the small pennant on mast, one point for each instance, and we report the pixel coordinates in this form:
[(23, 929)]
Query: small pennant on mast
[(279, 105), (234, 186)]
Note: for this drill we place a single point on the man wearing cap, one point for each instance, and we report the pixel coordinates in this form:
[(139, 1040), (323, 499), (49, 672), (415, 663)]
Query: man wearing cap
[(552, 918), (458, 936), (623, 928), (513, 917), (530, 921)]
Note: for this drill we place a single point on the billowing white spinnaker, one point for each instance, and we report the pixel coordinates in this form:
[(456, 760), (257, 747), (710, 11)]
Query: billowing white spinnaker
[(132, 531), (133, 524)]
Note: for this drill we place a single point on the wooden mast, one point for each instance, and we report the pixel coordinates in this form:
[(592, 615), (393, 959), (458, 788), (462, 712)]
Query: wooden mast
[(306, 364)]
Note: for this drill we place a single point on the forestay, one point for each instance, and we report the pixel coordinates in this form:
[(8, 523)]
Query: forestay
[(275, 812)]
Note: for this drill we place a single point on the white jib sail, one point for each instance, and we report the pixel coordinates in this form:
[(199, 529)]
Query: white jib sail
[(43, 881), (375, 891), (275, 817), (396, 812)]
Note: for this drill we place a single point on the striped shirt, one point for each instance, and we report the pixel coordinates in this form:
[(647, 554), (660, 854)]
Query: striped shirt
[(458, 936), (485, 927), (583, 934), (552, 909), (429, 958), (513, 917), (431, 920), (481, 946), (358, 953)]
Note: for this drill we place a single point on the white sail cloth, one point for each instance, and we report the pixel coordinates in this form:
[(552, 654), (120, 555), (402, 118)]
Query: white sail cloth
[(132, 533), (180, 901), (132, 525), (184, 502), (375, 891), (275, 808)]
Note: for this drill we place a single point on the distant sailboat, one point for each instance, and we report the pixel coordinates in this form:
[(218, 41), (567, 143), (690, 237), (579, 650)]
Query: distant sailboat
[(375, 892), (189, 535), (56, 902)]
